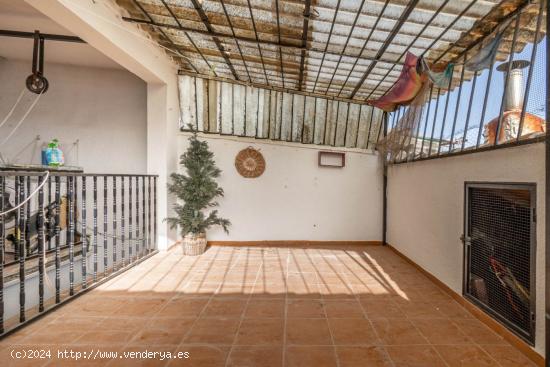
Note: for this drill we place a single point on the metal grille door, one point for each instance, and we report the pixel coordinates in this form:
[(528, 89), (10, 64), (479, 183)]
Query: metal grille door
[(500, 253)]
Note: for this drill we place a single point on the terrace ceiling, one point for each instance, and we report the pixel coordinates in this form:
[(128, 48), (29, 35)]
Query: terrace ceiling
[(341, 49)]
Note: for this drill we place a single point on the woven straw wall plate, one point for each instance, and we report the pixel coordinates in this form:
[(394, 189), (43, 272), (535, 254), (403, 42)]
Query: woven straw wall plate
[(250, 163)]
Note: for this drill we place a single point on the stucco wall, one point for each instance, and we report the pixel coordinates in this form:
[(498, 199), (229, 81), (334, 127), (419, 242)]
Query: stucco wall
[(295, 199), (426, 210), (99, 115)]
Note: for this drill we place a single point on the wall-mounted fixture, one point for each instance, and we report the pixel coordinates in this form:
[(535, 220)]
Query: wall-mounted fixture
[(332, 159)]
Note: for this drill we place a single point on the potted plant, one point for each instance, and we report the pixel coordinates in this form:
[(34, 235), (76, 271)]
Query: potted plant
[(196, 191)]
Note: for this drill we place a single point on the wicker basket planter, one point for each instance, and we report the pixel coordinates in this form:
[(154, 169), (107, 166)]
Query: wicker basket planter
[(194, 244)]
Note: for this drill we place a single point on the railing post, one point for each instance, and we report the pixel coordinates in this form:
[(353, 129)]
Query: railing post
[(123, 221), (148, 214), (95, 226), (41, 247), (84, 237), (155, 212), (20, 238), (57, 239), (130, 244), (70, 231), (138, 239), (105, 229), (2, 252), (143, 222), (114, 225)]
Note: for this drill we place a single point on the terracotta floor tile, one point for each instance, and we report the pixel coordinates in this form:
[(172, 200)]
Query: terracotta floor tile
[(415, 356), (305, 308), (397, 332), (265, 308), (308, 332), (465, 356), (478, 332), (441, 331), (343, 309), (362, 357), (260, 332), (255, 357), (225, 308), (213, 331), (507, 356), (183, 307), (352, 332), (367, 301), (300, 356), (163, 331), (381, 309)]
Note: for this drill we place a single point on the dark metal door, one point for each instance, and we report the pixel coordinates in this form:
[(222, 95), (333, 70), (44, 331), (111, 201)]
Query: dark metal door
[(499, 253)]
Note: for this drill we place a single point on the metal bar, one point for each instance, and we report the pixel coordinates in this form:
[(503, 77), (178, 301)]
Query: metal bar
[(467, 123), (451, 143), (305, 30), (204, 18), (233, 33), (143, 222), (28, 218), (358, 123), (445, 114), (57, 239), (105, 227), (2, 250), (435, 120), (426, 25), (426, 123), (155, 211), (46, 36), (387, 42), (70, 228), (50, 212), (95, 226), (484, 109), (326, 46), (530, 76), (346, 128), (20, 238), (359, 12), (258, 44), (84, 236), (123, 221), (385, 189), (130, 228), (115, 233), (279, 40), (326, 123), (148, 214), (507, 79), (336, 124), (547, 197), (138, 238), (370, 126)]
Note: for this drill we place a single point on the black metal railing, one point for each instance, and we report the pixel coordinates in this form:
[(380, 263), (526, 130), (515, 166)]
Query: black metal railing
[(49, 231)]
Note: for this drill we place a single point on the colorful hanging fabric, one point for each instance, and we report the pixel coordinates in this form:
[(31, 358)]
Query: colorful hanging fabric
[(404, 90), (440, 79), (486, 54)]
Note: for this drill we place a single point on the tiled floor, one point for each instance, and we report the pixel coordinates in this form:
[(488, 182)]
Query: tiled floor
[(346, 307)]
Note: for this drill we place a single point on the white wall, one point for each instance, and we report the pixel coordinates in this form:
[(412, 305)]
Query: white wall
[(104, 110), (295, 199), (426, 210)]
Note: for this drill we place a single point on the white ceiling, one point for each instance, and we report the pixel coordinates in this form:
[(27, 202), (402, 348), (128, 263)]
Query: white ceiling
[(16, 15)]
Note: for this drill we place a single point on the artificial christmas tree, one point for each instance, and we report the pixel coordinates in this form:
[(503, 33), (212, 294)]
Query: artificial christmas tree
[(197, 190)]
